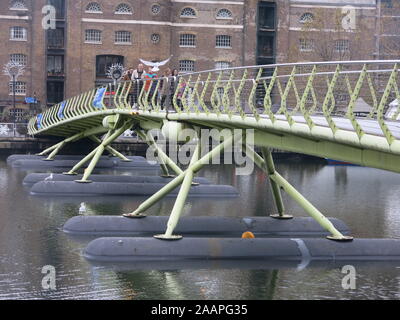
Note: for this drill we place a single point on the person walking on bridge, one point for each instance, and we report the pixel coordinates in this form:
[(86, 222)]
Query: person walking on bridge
[(137, 77), (150, 84), (165, 89)]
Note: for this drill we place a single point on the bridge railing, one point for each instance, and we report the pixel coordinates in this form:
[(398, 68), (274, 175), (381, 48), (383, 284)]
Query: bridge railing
[(292, 92), (10, 130)]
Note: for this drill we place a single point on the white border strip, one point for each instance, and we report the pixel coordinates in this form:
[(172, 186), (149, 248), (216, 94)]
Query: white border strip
[(13, 17), (358, 7), (164, 23), (210, 2)]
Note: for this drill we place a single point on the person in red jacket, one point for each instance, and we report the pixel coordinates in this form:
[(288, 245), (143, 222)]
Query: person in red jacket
[(150, 86)]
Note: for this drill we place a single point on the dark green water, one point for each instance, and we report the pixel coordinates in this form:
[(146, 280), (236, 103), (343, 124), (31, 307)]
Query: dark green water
[(366, 199)]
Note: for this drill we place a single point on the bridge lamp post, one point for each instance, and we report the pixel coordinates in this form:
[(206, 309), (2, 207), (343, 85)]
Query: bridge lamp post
[(13, 70)]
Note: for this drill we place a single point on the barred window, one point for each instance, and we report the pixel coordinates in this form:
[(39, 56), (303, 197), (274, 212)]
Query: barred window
[(18, 5), (342, 98), (224, 14), (18, 113), (123, 37), (155, 38), (20, 88), (187, 40), (188, 13), (186, 66), (155, 9), (342, 45), (306, 45), (92, 36), (222, 65), (18, 33), (306, 17), (93, 7), (18, 58), (223, 41), (123, 8)]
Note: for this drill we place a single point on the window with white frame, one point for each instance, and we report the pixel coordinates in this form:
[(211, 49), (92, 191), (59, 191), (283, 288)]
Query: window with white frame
[(18, 58), (188, 13), (306, 45), (20, 88), (18, 5), (123, 8), (92, 36), (93, 7), (186, 66), (123, 37), (187, 40), (306, 17), (224, 14), (222, 65), (342, 45), (223, 41), (18, 33)]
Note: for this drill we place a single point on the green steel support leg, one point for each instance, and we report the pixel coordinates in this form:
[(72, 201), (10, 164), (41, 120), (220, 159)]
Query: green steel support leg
[(56, 151), (195, 167), (113, 134), (180, 200), (75, 169), (57, 147), (44, 152), (276, 191), (299, 198), (164, 169), (110, 149), (163, 158)]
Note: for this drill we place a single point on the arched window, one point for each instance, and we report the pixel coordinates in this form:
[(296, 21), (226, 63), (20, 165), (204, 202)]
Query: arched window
[(18, 5), (307, 17), (224, 14), (93, 7), (188, 13), (123, 8)]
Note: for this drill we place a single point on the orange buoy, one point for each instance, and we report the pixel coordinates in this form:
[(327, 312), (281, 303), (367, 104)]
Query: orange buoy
[(248, 235)]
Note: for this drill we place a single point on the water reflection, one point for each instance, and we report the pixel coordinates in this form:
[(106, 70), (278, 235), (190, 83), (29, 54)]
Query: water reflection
[(366, 199)]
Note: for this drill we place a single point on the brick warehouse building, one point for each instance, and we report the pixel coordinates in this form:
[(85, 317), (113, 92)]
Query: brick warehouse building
[(205, 34)]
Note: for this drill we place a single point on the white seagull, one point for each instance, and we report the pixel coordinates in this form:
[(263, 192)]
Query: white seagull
[(155, 65), (82, 208)]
